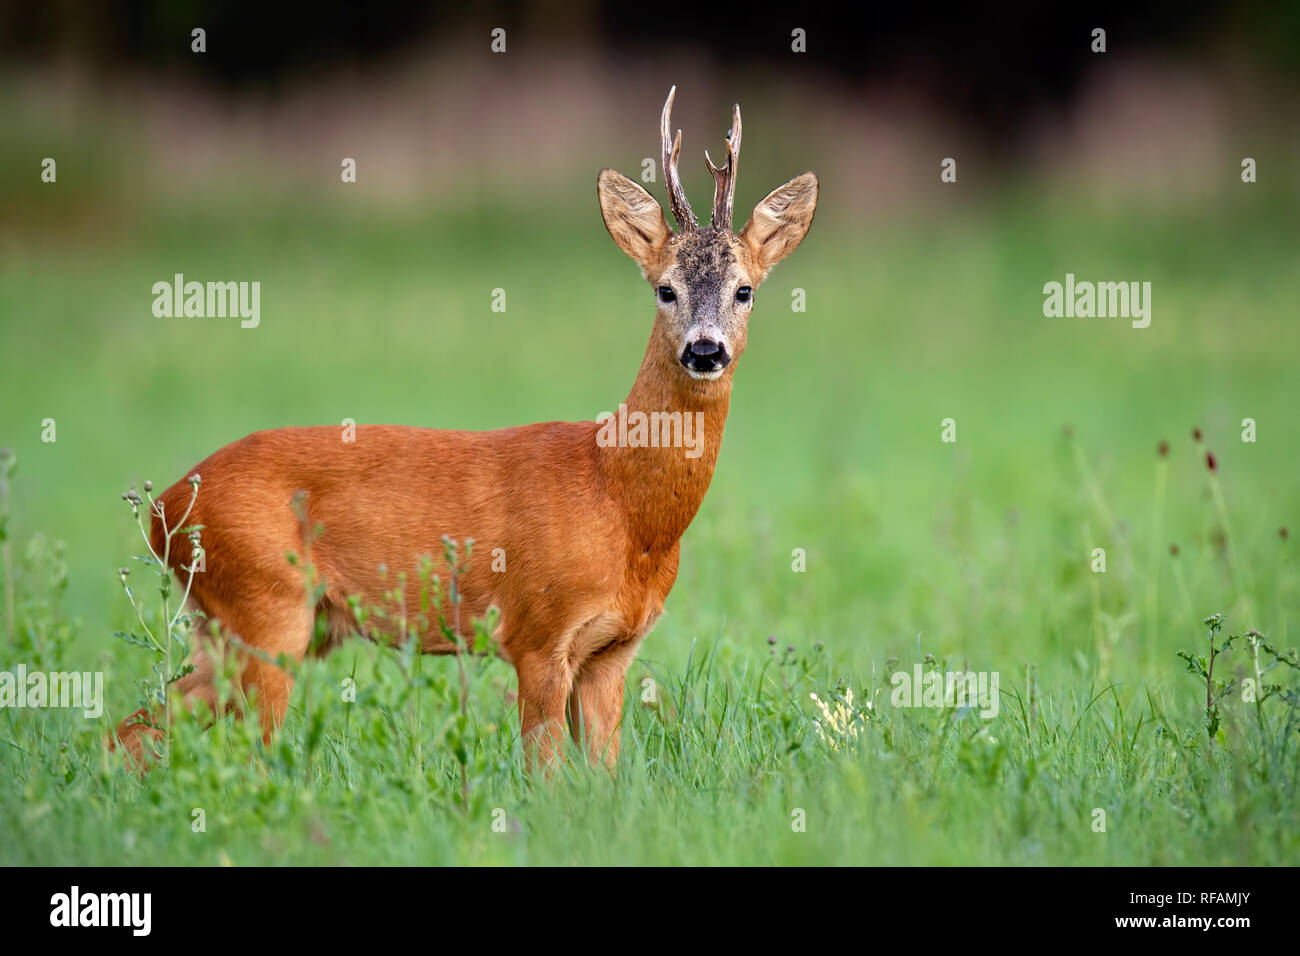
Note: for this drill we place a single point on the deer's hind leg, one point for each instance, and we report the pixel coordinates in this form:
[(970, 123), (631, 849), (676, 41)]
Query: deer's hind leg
[(257, 631), (276, 624)]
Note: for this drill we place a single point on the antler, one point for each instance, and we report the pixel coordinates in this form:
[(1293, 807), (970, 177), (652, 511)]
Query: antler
[(686, 221), (724, 177)]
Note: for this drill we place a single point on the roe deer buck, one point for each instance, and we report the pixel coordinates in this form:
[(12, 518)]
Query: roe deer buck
[(590, 529)]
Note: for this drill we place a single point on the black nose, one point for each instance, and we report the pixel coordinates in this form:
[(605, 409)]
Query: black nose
[(705, 355)]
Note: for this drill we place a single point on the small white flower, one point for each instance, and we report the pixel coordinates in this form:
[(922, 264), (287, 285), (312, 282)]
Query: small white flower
[(841, 725)]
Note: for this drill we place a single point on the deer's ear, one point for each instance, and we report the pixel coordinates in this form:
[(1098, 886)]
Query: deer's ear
[(633, 217), (781, 220)]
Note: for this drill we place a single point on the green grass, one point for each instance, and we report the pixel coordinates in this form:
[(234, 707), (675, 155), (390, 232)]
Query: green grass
[(976, 552)]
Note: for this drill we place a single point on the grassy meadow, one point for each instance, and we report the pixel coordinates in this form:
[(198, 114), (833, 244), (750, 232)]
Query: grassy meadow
[(976, 554)]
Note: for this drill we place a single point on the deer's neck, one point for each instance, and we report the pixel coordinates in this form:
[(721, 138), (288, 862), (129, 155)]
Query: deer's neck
[(668, 434)]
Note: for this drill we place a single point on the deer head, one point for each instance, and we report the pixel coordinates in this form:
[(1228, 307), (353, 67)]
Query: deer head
[(704, 278)]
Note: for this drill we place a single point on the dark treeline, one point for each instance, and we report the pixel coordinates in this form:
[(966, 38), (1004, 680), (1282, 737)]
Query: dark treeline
[(988, 65)]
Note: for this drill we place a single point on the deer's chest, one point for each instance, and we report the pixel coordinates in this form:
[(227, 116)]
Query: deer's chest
[(631, 612)]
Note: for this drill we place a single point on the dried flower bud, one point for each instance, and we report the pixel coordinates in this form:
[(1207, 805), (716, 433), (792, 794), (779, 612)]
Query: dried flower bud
[(1173, 550), (1210, 461), (1163, 449), (1196, 434)]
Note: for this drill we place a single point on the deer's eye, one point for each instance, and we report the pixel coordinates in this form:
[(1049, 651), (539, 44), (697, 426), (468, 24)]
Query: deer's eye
[(744, 293), (666, 294)]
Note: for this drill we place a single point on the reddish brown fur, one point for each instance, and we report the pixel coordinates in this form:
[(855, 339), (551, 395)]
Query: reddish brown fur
[(590, 534)]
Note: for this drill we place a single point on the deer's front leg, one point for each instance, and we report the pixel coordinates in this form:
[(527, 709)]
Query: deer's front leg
[(543, 689), (596, 704)]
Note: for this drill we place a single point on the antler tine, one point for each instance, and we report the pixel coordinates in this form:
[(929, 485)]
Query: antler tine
[(672, 147), (724, 177)]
